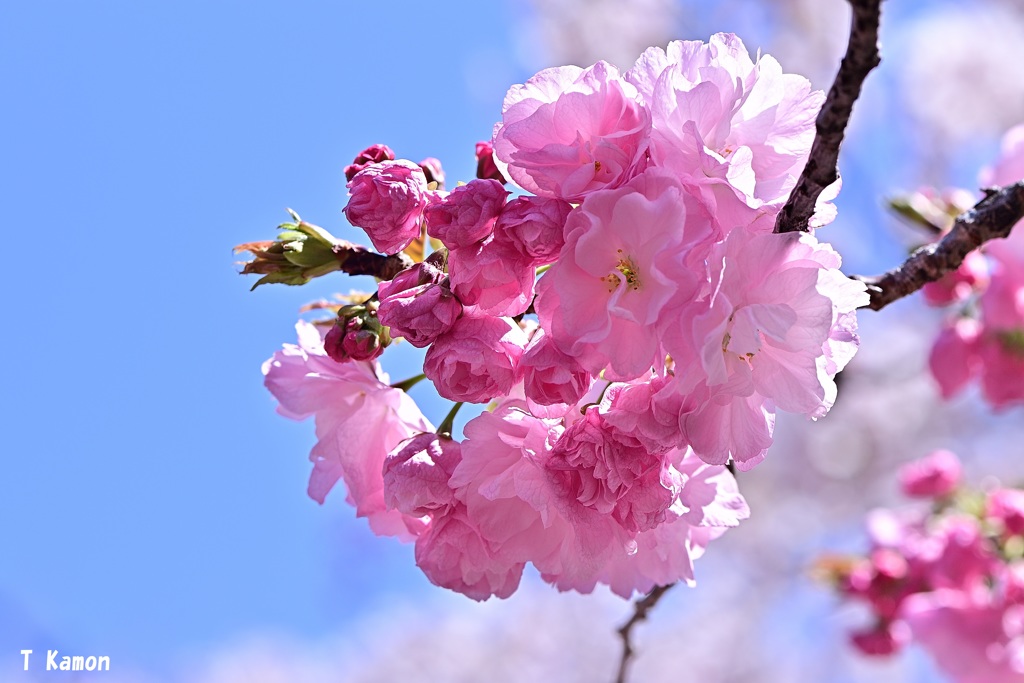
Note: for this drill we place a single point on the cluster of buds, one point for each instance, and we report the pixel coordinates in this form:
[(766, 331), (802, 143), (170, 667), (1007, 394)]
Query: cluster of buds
[(948, 571), (301, 252), (357, 334)]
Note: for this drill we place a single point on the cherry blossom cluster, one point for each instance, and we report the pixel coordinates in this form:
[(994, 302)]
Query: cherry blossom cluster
[(983, 339), (948, 576), (630, 319)]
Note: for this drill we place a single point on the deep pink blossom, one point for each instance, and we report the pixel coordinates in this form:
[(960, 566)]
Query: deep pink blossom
[(467, 214), (454, 555), (359, 420), (1006, 507), (970, 277), (549, 375), (954, 356), (568, 132), (387, 200), (493, 276), (418, 305), (534, 226), (476, 360), (611, 472)]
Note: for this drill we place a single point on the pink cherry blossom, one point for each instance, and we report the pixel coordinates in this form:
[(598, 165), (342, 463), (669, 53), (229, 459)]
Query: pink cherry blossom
[(467, 214), (476, 360), (550, 376), (568, 132), (611, 472), (534, 226), (359, 420), (486, 169), (718, 116), (418, 305), (493, 276), (971, 276), (387, 200), (1006, 507), (416, 475), (454, 555), (602, 302), (954, 357)]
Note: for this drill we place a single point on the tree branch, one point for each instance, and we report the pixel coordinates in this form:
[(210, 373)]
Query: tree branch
[(641, 608), (992, 217), (821, 169), (356, 259)]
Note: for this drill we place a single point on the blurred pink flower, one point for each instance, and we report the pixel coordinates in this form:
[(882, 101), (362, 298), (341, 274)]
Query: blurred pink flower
[(934, 476)]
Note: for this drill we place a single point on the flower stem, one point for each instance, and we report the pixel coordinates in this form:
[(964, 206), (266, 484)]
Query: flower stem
[(449, 421), (407, 384)]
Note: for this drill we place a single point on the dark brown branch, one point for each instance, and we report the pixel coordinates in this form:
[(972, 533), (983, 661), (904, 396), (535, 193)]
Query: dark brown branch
[(821, 169), (992, 217), (641, 608), (355, 259)]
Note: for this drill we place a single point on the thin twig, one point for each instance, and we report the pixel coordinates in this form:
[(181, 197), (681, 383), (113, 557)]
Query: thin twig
[(992, 217), (641, 608), (821, 169)]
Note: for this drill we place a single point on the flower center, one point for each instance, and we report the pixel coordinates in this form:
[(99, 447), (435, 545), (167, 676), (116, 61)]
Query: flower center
[(625, 271)]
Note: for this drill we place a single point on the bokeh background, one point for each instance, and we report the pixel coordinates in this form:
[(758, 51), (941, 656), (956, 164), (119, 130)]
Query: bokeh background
[(152, 505)]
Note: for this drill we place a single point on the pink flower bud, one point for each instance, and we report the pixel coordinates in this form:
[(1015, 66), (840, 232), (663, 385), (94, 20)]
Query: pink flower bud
[(477, 360), (432, 170), (356, 335), (934, 476), (486, 169), (387, 201), (416, 475), (533, 225), (467, 214), (418, 305), (374, 154)]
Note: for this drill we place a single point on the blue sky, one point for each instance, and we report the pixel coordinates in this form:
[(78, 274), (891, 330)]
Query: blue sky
[(152, 503)]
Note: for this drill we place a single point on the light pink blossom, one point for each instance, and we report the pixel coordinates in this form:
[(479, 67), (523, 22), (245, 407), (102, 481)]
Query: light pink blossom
[(550, 376), (623, 261), (720, 117), (568, 132), (416, 475), (387, 200), (359, 420)]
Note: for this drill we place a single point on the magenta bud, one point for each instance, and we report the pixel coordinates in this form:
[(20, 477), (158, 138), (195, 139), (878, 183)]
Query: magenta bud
[(486, 169), (433, 171), (374, 154)]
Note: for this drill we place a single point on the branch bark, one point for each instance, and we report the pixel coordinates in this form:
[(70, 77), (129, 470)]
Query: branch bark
[(821, 169), (356, 259), (641, 608), (992, 217)]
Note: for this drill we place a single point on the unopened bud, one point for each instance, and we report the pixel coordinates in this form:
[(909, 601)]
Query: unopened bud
[(374, 154), (433, 171), (301, 252), (486, 169), (357, 334)]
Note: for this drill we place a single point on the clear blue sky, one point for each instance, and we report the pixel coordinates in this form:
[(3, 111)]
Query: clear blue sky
[(152, 503)]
